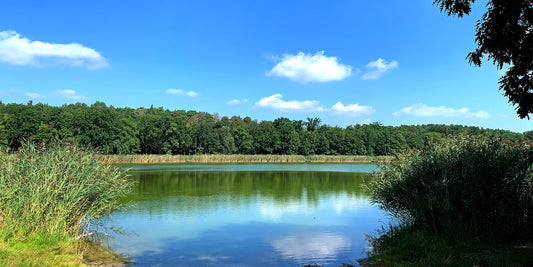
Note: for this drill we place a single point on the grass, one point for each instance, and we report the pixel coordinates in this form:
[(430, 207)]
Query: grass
[(34, 252), (237, 158), (48, 197)]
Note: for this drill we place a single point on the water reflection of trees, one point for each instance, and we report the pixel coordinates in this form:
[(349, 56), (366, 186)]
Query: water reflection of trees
[(204, 189)]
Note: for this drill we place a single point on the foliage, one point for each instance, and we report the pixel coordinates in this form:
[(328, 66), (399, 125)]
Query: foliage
[(505, 35), (178, 132), (470, 185), (52, 191)]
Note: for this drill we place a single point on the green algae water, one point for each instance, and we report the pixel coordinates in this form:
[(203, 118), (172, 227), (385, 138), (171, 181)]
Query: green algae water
[(246, 215)]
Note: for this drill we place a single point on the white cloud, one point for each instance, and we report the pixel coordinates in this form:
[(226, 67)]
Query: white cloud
[(17, 50), (236, 102), (422, 110), (34, 95), (353, 110), (481, 114), (182, 92), (310, 68), (70, 94), (275, 102), (376, 69)]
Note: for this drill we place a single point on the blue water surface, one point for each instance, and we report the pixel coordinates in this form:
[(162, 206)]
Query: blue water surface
[(246, 215)]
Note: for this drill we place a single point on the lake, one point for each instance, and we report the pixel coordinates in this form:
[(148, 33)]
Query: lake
[(246, 215)]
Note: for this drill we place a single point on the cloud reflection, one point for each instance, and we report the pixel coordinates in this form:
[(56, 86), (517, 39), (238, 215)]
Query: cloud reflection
[(275, 211), (307, 245)]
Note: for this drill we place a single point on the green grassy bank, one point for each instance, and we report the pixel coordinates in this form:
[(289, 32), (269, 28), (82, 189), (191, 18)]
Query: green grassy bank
[(236, 158), (463, 202), (49, 196)]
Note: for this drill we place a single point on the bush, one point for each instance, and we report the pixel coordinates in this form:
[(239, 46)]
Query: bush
[(480, 186), (54, 190)]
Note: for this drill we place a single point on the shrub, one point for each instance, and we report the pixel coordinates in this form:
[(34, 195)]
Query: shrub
[(480, 186), (54, 190)]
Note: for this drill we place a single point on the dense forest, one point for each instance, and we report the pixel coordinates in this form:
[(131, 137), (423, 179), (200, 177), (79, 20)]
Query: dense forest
[(162, 131)]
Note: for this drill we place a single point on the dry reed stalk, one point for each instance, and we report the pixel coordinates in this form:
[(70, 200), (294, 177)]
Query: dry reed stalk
[(217, 158)]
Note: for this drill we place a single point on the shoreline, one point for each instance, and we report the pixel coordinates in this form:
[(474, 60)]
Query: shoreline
[(237, 158)]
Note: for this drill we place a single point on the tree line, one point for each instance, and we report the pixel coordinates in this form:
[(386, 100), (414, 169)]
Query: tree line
[(156, 130)]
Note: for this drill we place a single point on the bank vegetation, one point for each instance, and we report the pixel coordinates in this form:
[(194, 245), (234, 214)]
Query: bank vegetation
[(466, 201), (50, 199), (234, 158)]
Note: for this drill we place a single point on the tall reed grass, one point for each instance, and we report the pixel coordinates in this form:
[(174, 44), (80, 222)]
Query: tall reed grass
[(474, 186), (53, 191), (237, 158)]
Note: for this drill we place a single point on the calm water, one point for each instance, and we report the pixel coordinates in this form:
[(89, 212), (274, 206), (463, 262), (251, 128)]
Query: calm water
[(246, 215)]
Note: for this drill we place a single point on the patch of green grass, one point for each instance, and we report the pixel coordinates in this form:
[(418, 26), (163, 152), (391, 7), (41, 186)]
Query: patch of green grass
[(37, 252)]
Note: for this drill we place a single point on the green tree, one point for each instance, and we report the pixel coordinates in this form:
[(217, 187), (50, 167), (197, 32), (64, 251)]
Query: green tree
[(126, 139), (22, 124), (322, 141), (206, 138), (293, 143), (312, 123), (45, 133), (104, 129), (354, 144), (266, 138), (528, 135), (284, 127), (505, 35), (243, 140), (179, 137), (308, 142), (152, 133), (3, 136), (226, 139)]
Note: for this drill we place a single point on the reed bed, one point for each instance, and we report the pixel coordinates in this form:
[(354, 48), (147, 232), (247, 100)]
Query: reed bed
[(53, 191), (476, 186), (466, 201), (237, 158)]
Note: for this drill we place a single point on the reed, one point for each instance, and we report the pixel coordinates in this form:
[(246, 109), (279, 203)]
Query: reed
[(466, 201), (478, 186), (238, 158), (52, 192)]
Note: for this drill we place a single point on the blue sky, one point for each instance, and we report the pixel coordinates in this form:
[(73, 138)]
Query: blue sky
[(346, 62)]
